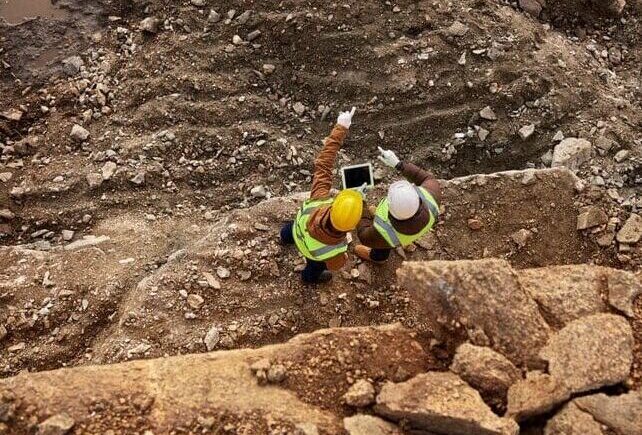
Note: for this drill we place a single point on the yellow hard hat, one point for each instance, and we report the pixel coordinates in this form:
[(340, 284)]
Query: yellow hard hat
[(346, 210)]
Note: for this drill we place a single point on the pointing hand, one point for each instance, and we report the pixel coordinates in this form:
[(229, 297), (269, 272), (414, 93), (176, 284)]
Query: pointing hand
[(345, 118), (388, 157)]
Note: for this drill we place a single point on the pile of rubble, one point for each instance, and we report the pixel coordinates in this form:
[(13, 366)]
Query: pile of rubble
[(520, 358)]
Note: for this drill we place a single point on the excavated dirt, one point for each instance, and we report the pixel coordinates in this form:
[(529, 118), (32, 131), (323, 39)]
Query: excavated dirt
[(189, 117)]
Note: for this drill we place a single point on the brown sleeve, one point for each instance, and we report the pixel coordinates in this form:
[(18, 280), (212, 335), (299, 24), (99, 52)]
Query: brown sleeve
[(323, 165), (336, 263), (422, 178), (369, 236)]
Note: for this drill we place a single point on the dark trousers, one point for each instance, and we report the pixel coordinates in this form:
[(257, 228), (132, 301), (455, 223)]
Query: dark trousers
[(379, 254), (313, 269)]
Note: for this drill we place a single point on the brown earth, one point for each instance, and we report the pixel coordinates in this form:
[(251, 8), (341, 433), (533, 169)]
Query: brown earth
[(197, 121)]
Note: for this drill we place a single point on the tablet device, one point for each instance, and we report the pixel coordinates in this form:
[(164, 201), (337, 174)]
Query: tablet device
[(355, 175)]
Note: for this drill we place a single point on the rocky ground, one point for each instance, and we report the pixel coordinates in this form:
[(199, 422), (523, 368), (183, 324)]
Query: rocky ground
[(149, 152)]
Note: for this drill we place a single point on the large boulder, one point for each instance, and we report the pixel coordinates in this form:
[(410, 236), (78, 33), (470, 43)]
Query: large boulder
[(485, 298), (621, 414), (565, 293), (487, 371), (591, 352), (535, 395), (169, 393), (572, 421), (441, 402)]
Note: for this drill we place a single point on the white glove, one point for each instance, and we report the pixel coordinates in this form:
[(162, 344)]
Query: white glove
[(388, 157), (345, 118), (362, 190)]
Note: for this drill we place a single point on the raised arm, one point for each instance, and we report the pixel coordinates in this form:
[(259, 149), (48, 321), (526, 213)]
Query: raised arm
[(413, 173), (324, 163), (421, 177)]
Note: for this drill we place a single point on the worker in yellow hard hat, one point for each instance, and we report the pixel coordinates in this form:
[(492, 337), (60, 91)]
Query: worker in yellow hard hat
[(320, 227)]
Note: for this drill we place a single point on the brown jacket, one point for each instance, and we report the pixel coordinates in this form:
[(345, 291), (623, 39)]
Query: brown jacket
[(368, 234), (319, 224)]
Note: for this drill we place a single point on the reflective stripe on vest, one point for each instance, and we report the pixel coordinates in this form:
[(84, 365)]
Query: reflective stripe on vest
[(394, 238), (309, 246)]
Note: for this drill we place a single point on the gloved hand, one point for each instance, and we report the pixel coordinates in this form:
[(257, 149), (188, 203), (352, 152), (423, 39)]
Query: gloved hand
[(345, 118), (388, 157), (362, 190)]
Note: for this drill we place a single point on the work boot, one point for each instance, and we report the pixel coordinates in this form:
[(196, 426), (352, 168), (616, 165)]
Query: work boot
[(363, 252), (324, 277)]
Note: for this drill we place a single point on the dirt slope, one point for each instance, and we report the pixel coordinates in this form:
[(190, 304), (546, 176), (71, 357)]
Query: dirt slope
[(110, 300)]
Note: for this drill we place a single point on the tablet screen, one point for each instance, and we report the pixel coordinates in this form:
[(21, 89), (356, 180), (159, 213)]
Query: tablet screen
[(355, 176)]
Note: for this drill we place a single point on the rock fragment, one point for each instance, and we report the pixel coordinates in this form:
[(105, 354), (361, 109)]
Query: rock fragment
[(531, 7), (212, 338), (138, 179), (195, 301), (571, 153), (535, 395), (150, 25), (572, 421), (590, 352), (522, 237), (94, 180), (276, 373), (299, 108), (12, 115), (631, 231), (623, 289), (213, 17), (71, 66), (223, 272), (58, 424), (360, 394), (487, 371), (6, 214), (79, 133), (440, 402), (621, 414), (258, 191), (591, 217), (361, 424), (86, 242), (526, 131), (306, 429), (457, 29), (488, 114), (108, 170)]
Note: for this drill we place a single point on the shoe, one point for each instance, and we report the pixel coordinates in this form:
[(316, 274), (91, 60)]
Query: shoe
[(326, 276), (363, 252)]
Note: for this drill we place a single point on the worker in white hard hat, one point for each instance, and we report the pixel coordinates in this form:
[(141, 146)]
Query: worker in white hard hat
[(409, 210)]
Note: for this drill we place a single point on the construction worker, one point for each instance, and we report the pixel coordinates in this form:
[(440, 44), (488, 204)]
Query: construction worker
[(320, 228), (408, 211)]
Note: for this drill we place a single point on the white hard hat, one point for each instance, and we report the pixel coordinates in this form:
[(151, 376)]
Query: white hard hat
[(403, 200)]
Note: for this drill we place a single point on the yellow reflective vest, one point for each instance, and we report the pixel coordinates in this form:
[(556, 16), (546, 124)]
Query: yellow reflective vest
[(309, 246), (393, 237)]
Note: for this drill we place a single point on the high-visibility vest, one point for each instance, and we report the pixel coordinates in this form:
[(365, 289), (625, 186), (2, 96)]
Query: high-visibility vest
[(309, 246), (390, 234)]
